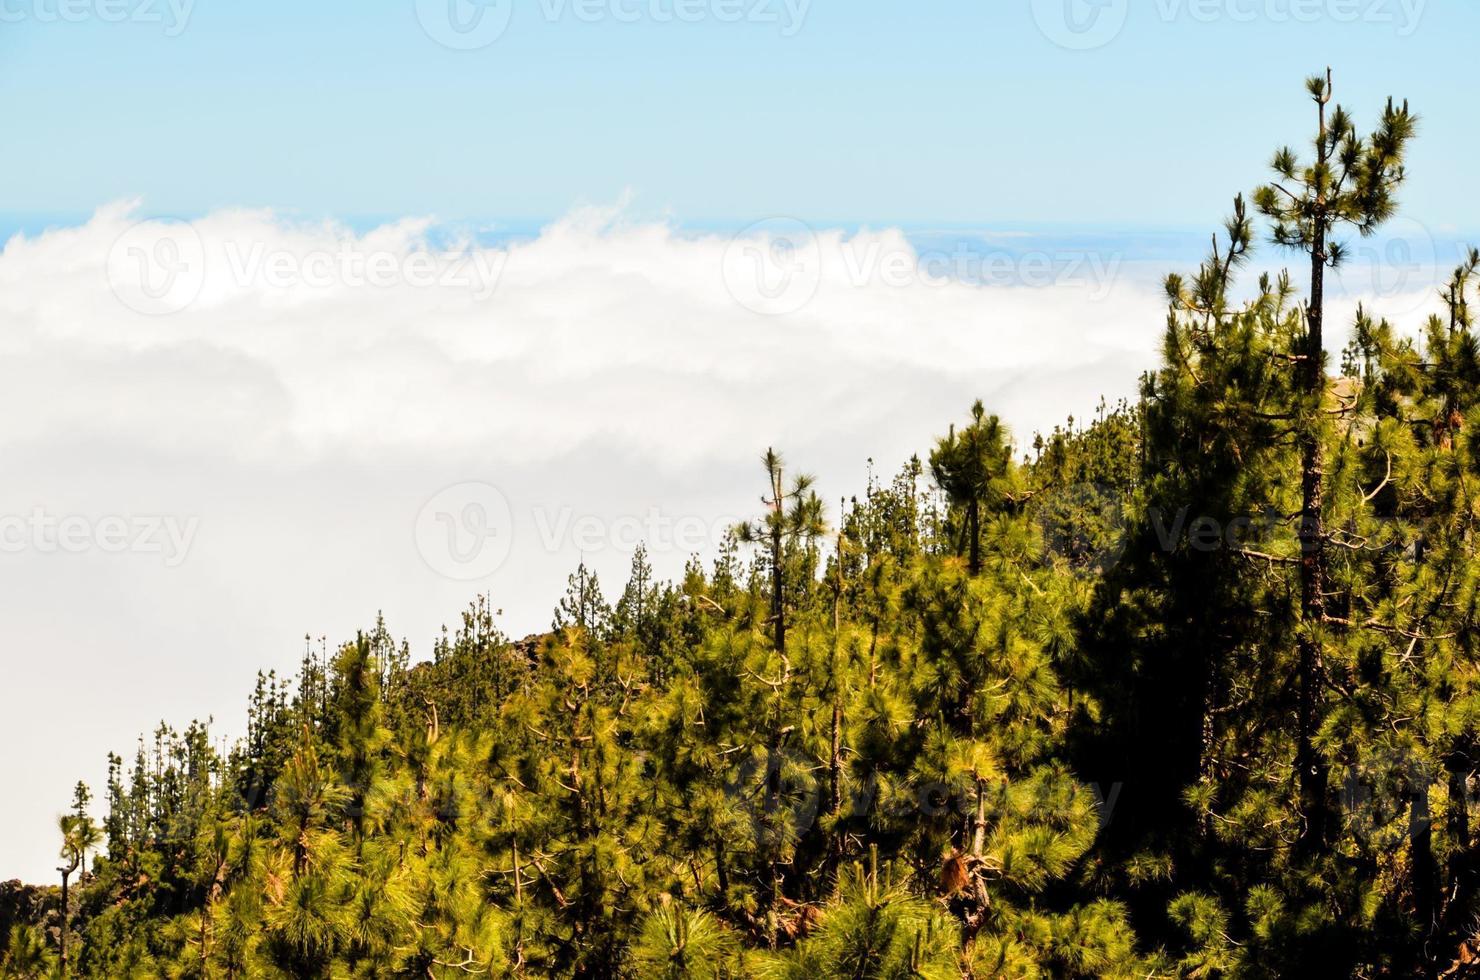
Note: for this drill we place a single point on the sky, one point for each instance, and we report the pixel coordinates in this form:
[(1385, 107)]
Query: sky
[(309, 311)]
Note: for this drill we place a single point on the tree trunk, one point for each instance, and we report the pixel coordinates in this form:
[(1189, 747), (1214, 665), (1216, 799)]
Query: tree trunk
[(66, 905), (771, 815), (205, 949), (974, 531), (778, 615), (1460, 888), (1313, 774), (1425, 868), (979, 822), (835, 767), (1457, 825)]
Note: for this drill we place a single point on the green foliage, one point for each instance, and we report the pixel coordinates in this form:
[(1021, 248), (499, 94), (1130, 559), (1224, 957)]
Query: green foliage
[(26, 956), (677, 943), (873, 929), (659, 788)]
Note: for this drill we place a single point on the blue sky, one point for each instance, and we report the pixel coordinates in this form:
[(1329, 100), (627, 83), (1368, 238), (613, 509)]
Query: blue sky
[(868, 113)]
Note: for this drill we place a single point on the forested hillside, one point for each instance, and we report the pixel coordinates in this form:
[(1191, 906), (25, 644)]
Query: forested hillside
[(1186, 689)]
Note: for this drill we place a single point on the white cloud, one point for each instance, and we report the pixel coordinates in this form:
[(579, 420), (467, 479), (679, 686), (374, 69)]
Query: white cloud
[(598, 328)]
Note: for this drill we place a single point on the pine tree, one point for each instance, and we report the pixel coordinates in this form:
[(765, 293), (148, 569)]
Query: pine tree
[(970, 467), (78, 836), (793, 520), (1351, 182), (583, 606)]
